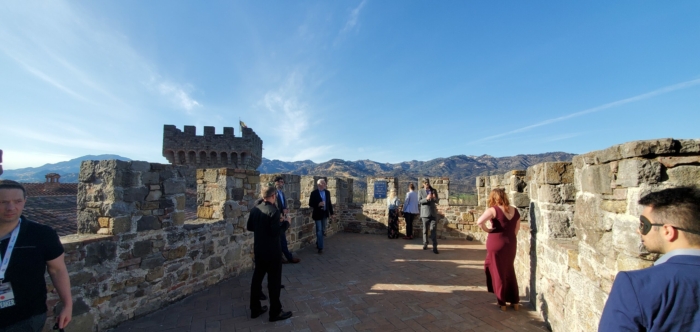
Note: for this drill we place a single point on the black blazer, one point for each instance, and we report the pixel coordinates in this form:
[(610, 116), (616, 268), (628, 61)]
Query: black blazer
[(318, 213), (265, 221)]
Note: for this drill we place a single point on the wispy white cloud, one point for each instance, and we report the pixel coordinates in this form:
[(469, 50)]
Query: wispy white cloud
[(289, 113), (651, 94), (178, 96), (353, 18)]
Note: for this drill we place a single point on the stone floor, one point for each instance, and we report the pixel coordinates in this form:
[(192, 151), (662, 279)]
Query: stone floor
[(359, 283)]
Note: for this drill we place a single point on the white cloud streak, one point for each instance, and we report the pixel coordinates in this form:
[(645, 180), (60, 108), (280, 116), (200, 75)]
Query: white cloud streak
[(664, 90), (354, 17)]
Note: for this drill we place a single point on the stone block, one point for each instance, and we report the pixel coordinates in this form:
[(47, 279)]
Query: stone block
[(153, 261), (596, 179), (568, 192), (588, 219), (178, 218), (142, 248), (613, 206), (87, 222), (176, 253), (103, 222), (625, 238), (549, 193), (136, 194), (480, 181), (557, 173), (205, 212), (100, 252), (689, 146), (573, 259), (150, 178), (683, 176), (139, 166), (210, 175), (520, 200), (87, 171), (645, 148), (82, 322), (215, 263), (610, 154), (148, 223), (154, 195), (633, 172), (674, 161), (558, 224), (619, 194), (155, 273), (180, 201), (174, 186)]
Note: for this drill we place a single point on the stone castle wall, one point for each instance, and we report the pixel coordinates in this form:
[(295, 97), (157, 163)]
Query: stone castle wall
[(136, 252), (210, 149), (582, 223)]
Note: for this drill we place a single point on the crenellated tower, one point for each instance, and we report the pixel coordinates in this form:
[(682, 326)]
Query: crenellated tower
[(210, 149)]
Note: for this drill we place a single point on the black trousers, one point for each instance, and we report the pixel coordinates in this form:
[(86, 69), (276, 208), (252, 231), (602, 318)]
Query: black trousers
[(273, 269), (409, 223)]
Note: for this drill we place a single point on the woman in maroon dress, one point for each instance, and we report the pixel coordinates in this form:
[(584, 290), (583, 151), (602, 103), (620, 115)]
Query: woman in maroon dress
[(501, 245)]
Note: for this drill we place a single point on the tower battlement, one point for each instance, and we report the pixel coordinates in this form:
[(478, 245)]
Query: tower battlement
[(211, 149)]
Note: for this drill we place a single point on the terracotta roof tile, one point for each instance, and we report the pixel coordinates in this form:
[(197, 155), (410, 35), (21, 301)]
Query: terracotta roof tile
[(59, 212), (56, 189)]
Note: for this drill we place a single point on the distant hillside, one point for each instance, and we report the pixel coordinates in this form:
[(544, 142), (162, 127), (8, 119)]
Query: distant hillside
[(67, 169), (462, 170)]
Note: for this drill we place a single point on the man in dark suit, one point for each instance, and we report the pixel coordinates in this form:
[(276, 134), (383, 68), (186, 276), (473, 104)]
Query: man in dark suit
[(267, 224), (320, 202), (663, 297), (281, 204), (428, 198)]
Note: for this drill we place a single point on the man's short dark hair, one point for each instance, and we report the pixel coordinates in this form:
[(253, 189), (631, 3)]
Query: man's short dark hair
[(278, 178), (268, 191), (679, 207), (9, 184)]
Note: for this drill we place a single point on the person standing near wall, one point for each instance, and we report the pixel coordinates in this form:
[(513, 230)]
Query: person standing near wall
[(27, 251), (410, 210), (501, 247), (322, 210), (663, 297), (281, 204), (266, 222), (393, 203), (428, 198)]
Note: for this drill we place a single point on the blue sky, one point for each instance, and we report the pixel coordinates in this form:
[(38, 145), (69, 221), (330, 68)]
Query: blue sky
[(388, 81)]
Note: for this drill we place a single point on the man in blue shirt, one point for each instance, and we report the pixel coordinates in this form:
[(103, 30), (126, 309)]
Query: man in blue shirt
[(664, 297)]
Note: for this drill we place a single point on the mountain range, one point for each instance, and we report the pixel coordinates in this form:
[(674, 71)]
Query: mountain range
[(461, 169)]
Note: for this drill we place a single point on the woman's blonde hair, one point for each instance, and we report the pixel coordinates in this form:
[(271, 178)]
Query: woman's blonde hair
[(498, 197)]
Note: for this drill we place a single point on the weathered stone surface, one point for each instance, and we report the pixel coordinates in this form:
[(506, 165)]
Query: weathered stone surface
[(549, 193), (614, 206), (152, 261), (103, 222), (675, 161), (142, 248), (520, 200), (557, 224), (596, 179), (155, 274), (632, 172), (610, 154), (557, 173), (587, 219), (689, 146), (205, 212), (625, 239), (82, 322), (178, 252), (684, 176), (148, 223), (99, 252), (174, 186), (645, 148), (215, 263), (627, 263)]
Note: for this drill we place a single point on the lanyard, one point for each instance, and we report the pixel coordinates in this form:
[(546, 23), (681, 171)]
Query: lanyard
[(8, 252)]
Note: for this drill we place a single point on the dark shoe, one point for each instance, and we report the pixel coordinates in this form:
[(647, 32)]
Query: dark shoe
[(257, 314), (284, 261), (281, 316), (263, 297), (281, 286), (320, 251), (425, 247), (295, 260), (435, 251)]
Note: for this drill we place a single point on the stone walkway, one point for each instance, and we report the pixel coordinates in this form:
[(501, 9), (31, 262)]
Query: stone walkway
[(359, 283)]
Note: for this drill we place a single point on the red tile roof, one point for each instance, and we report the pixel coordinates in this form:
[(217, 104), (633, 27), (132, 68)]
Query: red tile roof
[(51, 189), (59, 212)]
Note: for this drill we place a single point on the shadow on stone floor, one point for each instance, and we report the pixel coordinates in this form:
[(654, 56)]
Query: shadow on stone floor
[(360, 282)]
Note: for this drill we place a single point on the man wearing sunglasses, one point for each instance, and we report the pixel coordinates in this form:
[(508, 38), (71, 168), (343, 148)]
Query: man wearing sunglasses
[(666, 296)]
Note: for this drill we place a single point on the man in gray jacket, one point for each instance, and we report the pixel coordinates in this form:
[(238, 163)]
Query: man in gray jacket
[(428, 199)]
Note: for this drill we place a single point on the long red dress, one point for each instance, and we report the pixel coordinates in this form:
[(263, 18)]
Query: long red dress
[(500, 256)]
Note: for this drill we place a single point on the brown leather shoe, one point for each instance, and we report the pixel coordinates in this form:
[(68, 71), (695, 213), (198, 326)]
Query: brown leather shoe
[(295, 260)]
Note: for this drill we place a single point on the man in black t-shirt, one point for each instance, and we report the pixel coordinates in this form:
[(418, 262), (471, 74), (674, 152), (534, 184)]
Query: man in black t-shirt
[(27, 251)]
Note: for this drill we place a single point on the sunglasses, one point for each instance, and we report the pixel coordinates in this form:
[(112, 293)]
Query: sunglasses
[(645, 226)]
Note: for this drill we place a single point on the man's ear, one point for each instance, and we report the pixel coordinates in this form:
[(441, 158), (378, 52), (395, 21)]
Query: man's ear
[(669, 233)]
